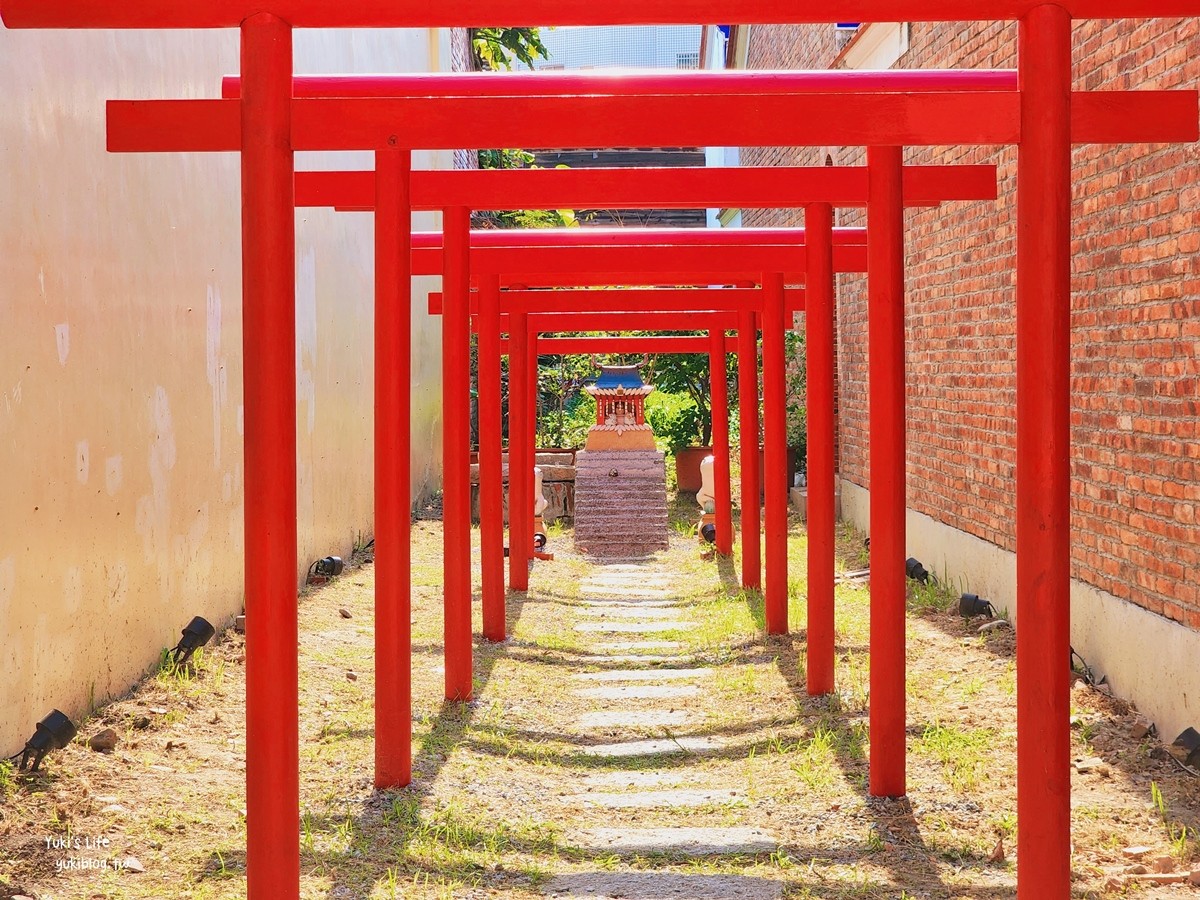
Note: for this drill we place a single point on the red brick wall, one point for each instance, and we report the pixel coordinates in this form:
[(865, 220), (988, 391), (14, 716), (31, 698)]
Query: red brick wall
[(1136, 320)]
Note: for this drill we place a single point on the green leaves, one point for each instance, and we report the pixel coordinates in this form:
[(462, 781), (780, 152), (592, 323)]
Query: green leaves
[(497, 49)]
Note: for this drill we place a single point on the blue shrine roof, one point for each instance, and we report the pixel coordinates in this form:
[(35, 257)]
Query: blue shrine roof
[(613, 377)]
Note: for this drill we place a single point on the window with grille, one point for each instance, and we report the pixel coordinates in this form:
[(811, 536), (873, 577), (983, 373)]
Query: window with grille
[(687, 60)]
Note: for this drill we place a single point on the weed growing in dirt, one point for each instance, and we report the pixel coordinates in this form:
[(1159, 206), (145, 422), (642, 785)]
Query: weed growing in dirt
[(962, 752)]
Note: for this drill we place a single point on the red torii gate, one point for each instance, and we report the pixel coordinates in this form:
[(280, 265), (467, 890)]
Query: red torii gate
[(1040, 121)]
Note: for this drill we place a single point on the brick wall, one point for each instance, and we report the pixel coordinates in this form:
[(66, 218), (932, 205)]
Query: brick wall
[(1136, 319)]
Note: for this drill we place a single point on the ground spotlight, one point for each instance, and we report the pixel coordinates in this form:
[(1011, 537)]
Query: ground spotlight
[(708, 531), (971, 605), (539, 540), (53, 733), (197, 633), (914, 570), (1186, 748), (324, 569)]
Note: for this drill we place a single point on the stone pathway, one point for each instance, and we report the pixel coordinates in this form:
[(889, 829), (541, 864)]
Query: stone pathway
[(642, 719)]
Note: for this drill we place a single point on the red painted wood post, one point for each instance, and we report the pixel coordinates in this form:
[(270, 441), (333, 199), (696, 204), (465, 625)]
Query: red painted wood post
[(748, 426), (393, 476), (818, 345), (520, 463), (269, 394), (775, 453), (719, 397), (885, 336), (491, 488), (1044, 456), (531, 417), (456, 437)]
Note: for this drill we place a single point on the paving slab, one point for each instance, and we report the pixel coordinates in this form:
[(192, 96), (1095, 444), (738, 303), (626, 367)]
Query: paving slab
[(693, 841), (649, 718), (635, 627), (630, 612), (649, 592), (656, 799), (624, 603), (637, 645), (686, 658), (643, 675), (655, 747), (639, 692), (660, 886), (638, 780)]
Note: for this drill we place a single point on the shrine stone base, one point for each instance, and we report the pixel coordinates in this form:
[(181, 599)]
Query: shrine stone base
[(620, 503)]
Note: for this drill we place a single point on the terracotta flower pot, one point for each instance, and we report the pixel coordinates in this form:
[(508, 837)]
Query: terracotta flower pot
[(687, 467)]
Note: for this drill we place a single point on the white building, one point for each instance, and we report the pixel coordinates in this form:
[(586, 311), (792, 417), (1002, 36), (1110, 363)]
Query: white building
[(622, 46)]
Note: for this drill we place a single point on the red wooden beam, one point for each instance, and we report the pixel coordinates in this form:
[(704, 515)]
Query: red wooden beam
[(914, 119), (638, 280), (653, 82), (565, 346), (764, 187), (472, 14), (493, 238), (570, 323), (626, 300), (645, 260)]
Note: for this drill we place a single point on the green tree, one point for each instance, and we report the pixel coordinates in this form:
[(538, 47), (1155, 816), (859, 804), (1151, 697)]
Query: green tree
[(497, 49)]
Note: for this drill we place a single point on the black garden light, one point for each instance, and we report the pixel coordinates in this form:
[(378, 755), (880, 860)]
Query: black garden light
[(971, 605), (53, 733), (324, 569), (197, 633), (539, 540), (1186, 748), (708, 531), (914, 570)]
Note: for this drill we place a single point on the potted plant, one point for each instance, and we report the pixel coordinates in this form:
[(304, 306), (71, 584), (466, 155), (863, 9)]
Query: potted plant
[(679, 427)]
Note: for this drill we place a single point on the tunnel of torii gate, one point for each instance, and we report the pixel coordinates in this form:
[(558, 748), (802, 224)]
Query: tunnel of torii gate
[(1035, 110)]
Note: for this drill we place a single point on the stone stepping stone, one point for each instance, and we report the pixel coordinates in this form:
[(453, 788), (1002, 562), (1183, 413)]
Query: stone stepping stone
[(638, 645), (636, 588), (630, 612), (656, 799), (634, 658), (655, 747), (660, 886), (635, 780), (635, 627), (650, 718), (643, 675), (630, 604), (692, 841), (639, 692)]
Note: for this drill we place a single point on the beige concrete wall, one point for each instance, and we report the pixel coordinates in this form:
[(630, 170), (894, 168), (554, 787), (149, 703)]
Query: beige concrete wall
[(1147, 658), (120, 374)]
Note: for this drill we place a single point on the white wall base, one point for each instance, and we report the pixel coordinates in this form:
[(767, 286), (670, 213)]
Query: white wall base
[(1148, 659)]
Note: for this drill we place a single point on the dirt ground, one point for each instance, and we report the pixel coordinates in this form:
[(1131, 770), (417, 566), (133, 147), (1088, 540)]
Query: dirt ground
[(500, 797)]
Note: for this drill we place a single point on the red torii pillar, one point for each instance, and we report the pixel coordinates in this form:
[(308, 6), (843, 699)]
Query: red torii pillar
[(748, 429), (491, 456), (819, 350), (393, 475), (719, 405), (456, 418), (885, 284)]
